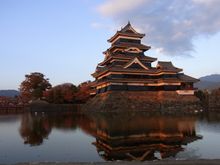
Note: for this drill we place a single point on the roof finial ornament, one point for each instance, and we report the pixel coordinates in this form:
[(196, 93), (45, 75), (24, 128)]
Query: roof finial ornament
[(129, 23)]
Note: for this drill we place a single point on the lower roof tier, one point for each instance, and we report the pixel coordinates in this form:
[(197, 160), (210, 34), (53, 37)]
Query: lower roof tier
[(119, 70), (146, 76), (136, 65), (179, 89), (141, 82)]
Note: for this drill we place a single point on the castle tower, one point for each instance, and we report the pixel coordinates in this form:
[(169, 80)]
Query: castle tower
[(127, 68)]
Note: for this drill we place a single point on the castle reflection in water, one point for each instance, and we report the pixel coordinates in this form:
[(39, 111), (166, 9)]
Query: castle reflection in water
[(129, 136)]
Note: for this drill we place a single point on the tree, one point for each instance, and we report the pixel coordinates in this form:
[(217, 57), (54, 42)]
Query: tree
[(204, 97), (64, 93), (84, 90), (214, 99), (33, 86)]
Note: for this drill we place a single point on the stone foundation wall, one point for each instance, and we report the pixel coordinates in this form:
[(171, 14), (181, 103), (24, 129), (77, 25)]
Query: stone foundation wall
[(164, 101)]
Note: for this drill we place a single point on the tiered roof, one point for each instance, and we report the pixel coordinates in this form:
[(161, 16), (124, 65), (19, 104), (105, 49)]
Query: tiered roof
[(161, 67), (126, 56)]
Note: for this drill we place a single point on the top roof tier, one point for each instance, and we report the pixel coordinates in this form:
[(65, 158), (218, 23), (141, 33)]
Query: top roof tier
[(127, 31)]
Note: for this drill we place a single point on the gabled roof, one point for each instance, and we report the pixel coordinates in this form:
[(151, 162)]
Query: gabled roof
[(167, 65), (127, 57), (129, 31), (135, 61)]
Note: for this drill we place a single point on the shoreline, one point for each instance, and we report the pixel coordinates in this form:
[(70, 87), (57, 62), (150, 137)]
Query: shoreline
[(162, 162)]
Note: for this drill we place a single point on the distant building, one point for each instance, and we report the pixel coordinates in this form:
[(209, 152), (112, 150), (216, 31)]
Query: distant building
[(126, 68)]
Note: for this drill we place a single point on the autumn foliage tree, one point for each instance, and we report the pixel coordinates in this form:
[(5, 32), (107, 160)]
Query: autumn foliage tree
[(33, 86), (64, 93), (214, 99), (84, 90)]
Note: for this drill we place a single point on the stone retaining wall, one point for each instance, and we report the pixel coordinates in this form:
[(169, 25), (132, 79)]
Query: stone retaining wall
[(164, 101)]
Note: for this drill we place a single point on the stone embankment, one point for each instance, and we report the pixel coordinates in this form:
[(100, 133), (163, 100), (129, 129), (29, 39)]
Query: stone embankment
[(12, 109), (143, 101), (46, 107)]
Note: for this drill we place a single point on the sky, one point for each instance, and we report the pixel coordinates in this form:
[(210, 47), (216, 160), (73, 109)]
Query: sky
[(64, 39)]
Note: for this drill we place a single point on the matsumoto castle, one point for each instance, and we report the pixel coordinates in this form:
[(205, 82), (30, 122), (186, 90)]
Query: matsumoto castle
[(127, 68)]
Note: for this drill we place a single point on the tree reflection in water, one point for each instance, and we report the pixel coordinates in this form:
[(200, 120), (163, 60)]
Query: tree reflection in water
[(37, 127), (34, 129), (127, 136)]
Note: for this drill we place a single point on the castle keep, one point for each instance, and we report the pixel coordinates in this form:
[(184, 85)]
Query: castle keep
[(127, 68), (127, 81)]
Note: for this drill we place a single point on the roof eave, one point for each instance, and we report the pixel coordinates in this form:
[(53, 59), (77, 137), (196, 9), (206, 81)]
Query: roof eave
[(145, 48), (139, 35)]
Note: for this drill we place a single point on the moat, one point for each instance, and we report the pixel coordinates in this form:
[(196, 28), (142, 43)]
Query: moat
[(71, 137)]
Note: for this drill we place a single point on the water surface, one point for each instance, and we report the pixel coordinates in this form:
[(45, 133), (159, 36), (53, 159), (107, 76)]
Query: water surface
[(66, 137)]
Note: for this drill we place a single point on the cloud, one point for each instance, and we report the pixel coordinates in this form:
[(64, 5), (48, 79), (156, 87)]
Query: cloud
[(171, 25), (114, 7)]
